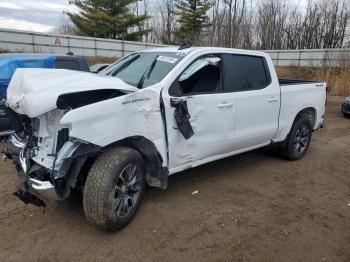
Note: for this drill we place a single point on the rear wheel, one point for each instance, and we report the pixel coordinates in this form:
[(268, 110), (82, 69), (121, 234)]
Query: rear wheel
[(114, 188), (299, 138)]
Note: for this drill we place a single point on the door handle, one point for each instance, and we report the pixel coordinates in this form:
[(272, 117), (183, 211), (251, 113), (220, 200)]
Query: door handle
[(225, 105), (272, 99)]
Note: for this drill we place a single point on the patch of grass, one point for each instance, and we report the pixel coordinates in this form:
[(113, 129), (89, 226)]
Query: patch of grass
[(91, 60), (337, 78)]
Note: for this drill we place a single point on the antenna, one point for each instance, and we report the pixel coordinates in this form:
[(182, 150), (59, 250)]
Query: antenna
[(185, 46)]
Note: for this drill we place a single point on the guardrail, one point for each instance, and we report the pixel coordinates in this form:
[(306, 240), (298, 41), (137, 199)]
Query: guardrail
[(27, 41)]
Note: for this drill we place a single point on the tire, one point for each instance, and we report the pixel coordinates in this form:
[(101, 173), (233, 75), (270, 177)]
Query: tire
[(346, 115), (114, 188), (298, 140)]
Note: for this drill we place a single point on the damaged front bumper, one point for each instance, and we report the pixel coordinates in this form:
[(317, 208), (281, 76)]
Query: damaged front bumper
[(51, 181), (34, 190), (44, 189), (16, 151)]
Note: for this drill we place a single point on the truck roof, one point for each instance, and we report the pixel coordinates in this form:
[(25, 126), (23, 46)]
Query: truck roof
[(199, 49)]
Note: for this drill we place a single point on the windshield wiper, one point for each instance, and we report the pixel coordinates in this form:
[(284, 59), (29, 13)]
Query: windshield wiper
[(147, 72)]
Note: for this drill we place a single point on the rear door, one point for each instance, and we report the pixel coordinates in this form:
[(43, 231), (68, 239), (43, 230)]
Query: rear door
[(207, 130), (257, 96)]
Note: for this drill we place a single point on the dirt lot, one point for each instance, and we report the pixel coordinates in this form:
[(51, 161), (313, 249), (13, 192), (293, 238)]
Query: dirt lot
[(252, 207)]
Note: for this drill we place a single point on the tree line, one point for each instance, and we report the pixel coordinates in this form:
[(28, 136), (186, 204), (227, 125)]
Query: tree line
[(248, 24)]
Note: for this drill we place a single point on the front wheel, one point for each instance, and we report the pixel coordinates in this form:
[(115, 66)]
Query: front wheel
[(114, 188), (298, 140)]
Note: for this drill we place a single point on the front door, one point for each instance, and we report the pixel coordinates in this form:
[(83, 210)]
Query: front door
[(209, 131)]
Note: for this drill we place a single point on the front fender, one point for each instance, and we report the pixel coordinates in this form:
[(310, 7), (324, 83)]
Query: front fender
[(106, 122)]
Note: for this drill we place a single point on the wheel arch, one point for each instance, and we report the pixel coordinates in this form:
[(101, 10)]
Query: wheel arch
[(310, 112), (156, 174)]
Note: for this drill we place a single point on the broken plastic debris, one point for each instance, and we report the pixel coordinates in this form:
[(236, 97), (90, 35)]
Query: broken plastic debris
[(195, 192), (285, 232)]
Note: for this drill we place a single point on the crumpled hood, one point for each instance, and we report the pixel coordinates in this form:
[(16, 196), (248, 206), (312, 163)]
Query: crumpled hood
[(35, 91)]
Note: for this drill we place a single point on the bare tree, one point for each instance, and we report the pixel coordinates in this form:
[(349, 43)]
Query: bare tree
[(164, 22), (232, 23), (66, 27), (271, 21), (263, 24)]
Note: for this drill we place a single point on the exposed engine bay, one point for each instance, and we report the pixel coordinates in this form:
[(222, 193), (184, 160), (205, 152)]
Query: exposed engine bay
[(45, 154)]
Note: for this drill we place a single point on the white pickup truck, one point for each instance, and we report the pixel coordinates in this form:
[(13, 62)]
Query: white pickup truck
[(150, 115)]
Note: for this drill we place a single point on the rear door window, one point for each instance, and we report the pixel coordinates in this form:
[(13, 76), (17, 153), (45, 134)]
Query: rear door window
[(67, 64), (245, 73)]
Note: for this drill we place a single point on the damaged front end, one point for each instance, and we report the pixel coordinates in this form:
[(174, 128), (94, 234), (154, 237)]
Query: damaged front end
[(48, 161), (62, 126)]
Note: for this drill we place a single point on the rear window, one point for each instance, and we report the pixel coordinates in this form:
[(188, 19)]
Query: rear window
[(67, 64), (244, 73)]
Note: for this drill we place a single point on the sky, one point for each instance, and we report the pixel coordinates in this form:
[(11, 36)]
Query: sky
[(37, 15), (33, 15)]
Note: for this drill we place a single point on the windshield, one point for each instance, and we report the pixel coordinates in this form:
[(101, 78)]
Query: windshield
[(144, 69)]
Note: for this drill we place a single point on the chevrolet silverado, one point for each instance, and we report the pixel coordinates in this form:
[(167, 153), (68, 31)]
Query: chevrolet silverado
[(152, 114)]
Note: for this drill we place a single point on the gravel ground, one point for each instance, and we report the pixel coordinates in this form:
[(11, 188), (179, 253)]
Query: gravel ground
[(251, 207)]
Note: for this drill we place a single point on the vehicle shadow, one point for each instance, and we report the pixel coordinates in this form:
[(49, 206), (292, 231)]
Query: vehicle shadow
[(228, 168)]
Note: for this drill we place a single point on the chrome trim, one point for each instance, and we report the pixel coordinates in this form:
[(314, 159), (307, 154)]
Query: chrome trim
[(6, 133), (44, 189), (16, 141), (23, 161)]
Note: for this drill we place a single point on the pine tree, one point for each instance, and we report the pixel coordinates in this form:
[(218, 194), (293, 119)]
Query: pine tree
[(108, 19), (193, 19)]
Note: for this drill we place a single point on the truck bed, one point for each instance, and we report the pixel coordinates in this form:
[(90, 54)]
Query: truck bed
[(297, 95)]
